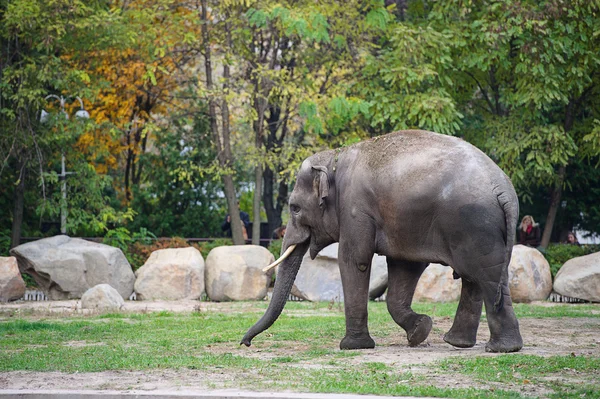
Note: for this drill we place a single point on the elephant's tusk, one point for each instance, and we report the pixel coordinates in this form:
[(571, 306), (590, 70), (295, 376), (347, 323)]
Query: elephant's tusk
[(281, 258)]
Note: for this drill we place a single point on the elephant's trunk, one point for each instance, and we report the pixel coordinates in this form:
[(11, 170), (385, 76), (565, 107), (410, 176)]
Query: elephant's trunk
[(283, 286)]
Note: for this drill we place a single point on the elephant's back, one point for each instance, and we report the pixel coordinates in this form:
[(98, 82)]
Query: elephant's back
[(417, 157), (415, 146)]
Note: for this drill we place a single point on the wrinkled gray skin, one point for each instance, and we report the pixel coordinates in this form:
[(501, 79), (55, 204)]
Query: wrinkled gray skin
[(415, 197)]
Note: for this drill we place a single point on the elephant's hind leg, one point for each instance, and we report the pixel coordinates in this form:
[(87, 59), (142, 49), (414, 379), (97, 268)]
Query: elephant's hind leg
[(504, 327), (403, 277), (463, 333), (500, 315)]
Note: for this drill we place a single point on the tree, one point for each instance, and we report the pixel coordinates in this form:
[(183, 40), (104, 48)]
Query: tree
[(181, 195), (221, 136), (531, 69), (32, 36), (518, 79), (141, 52), (298, 57)]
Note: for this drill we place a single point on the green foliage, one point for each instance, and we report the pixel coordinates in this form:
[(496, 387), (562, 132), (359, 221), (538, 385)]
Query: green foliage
[(32, 35), (119, 238), (207, 246), (139, 246), (123, 239), (89, 199), (527, 81), (518, 79), (4, 242), (558, 254), (180, 195), (29, 281), (407, 82), (275, 247)]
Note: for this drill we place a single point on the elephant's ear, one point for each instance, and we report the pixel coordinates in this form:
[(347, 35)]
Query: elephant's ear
[(323, 183)]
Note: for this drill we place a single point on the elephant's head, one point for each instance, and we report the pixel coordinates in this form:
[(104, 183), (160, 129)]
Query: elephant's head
[(313, 224), (313, 215)]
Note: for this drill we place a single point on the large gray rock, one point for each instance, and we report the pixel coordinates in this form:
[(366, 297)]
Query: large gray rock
[(529, 277), (102, 297), (234, 273), (437, 284), (174, 273), (65, 267), (320, 279), (378, 281), (580, 278), (12, 286)]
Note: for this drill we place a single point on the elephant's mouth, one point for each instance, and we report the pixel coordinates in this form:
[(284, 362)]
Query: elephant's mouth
[(317, 245)]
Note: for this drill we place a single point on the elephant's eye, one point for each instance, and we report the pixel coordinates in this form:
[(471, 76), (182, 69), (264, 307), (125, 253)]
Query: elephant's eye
[(294, 208)]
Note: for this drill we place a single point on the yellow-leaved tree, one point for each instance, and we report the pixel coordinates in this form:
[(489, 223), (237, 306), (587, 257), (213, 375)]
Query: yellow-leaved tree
[(143, 53)]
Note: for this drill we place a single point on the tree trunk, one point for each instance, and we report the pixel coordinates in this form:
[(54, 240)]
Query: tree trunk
[(256, 205), (19, 199), (222, 140), (556, 195), (259, 106), (128, 167), (273, 217), (274, 208), (554, 205)]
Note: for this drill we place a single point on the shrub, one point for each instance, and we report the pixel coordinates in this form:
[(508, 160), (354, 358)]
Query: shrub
[(207, 246), (124, 240), (275, 248), (139, 251), (4, 242), (558, 254)]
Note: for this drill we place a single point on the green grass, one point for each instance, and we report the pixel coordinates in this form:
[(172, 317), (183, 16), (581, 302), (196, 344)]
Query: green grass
[(526, 369), (561, 310), (300, 351), (505, 368)]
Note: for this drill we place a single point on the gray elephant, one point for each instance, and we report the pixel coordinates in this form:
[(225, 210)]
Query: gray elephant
[(415, 197)]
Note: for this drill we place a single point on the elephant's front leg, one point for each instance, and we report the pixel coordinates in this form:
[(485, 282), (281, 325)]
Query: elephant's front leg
[(355, 267), (403, 277)]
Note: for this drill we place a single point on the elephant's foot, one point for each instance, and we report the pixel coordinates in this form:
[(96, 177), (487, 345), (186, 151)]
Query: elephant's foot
[(504, 345), (357, 342), (420, 330), (461, 339)]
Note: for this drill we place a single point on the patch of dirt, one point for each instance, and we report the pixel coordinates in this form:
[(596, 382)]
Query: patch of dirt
[(542, 337), (83, 344)]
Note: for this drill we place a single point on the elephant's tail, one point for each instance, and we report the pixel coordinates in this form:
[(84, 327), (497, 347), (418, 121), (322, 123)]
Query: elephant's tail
[(507, 198)]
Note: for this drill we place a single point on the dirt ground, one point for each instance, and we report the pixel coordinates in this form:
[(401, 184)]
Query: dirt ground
[(542, 337)]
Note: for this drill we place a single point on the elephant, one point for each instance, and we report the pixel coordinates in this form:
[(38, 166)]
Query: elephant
[(416, 197)]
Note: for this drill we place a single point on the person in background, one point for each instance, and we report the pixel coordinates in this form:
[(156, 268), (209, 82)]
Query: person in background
[(226, 225), (279, 232), (529, 232), (572, 239)]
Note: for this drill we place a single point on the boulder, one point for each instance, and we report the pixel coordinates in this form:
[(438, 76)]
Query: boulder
[(234, 273), (12, 286), (529, 277), (320, 279), (102, 297), (437, 285), (174, 273), (580, 278), (65, 267)]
